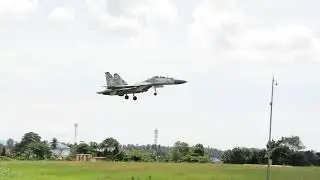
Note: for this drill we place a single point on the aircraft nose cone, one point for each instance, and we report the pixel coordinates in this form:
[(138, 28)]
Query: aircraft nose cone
[(177, 81)]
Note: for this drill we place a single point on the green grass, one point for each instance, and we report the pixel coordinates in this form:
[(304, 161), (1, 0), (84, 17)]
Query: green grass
[(42, 170)]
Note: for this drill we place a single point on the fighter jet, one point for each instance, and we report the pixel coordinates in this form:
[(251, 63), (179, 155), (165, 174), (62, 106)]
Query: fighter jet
[(116, 86)]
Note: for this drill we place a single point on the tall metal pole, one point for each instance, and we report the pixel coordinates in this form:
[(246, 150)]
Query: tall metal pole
[(270, 125), (75, 132), (155, 144)]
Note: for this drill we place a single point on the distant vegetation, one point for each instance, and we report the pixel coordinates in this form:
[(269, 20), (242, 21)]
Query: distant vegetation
[(286, 151)]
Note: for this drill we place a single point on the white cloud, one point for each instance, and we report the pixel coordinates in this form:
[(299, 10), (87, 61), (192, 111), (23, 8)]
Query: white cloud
[(213, 23), (284, 43), (62, 14), (122, 25), (137, 20), (147, 38), (96, 8), (221, 29), (163, 11), (17, 8), (280, 38)]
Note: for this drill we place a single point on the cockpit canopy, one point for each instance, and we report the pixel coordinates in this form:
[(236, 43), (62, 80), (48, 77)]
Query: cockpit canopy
[(162, 77)]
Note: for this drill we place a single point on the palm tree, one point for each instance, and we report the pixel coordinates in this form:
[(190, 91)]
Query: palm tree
[(93, 148), (54, 143)]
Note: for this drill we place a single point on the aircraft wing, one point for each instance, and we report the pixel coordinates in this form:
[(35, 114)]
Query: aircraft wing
[(139, 85), (120, 87)]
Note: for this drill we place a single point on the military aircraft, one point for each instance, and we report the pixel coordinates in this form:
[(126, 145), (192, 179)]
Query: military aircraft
[(116, 86)]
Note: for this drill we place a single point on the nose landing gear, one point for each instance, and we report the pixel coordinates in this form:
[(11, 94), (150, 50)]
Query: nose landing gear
[(155, 91)]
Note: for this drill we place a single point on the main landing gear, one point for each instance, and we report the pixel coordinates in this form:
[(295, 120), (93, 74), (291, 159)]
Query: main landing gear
[(127, 97)]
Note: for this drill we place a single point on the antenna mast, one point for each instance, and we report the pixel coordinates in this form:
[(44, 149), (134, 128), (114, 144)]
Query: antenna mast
[(75, 132), (155, 137), (155, 143)]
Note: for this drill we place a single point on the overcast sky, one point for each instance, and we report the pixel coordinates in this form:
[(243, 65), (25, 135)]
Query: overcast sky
[(53, 55)]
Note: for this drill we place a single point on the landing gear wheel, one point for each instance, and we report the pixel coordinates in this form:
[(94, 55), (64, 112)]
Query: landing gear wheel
[(126, 97), (134, 98), (155, 91)]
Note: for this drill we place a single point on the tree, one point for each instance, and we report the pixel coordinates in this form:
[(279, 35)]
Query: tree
[(27, 138), (238, 155), (179, 150), (262, 158), (30, 137), (182, 147), (3, 153), (226, 156), (83, 148), (311, 157), (73, 150), (293, 143), (54, 143), (110, 148), (39, 150), (93, 148), (318, 158), (198, 150), (286, 151), (10, 143)]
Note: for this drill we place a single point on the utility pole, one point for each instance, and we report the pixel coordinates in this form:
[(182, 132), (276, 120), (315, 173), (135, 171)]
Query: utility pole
[(268, 146)]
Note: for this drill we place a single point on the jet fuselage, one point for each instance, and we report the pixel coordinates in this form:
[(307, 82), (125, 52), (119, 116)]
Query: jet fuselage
[(117, 86)]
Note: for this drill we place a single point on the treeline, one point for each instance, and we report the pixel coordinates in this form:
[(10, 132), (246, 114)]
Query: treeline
[(32, 147), (111, 149), (286, 151)]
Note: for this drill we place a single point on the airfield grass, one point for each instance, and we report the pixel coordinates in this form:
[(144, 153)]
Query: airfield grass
[(53, 170)]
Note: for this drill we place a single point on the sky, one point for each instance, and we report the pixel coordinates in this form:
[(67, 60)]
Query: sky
[(53, 55)]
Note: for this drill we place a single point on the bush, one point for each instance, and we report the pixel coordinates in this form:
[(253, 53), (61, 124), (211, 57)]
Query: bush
[(69, 158), (203, 159), (4, 158)]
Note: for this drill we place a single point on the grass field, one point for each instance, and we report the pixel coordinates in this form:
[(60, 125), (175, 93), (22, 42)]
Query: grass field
[(41, 170)]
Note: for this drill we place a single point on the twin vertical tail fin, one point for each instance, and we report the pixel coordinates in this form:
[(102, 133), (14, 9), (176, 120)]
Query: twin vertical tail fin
[(114, 80), (109, 79), (118, 80)]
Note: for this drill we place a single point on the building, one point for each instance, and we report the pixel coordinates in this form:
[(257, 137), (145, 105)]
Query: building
[(216, 160), (61, 150)]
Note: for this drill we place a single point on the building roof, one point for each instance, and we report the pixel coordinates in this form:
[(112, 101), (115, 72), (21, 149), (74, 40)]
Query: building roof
[(215, 159), (62, 146)]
